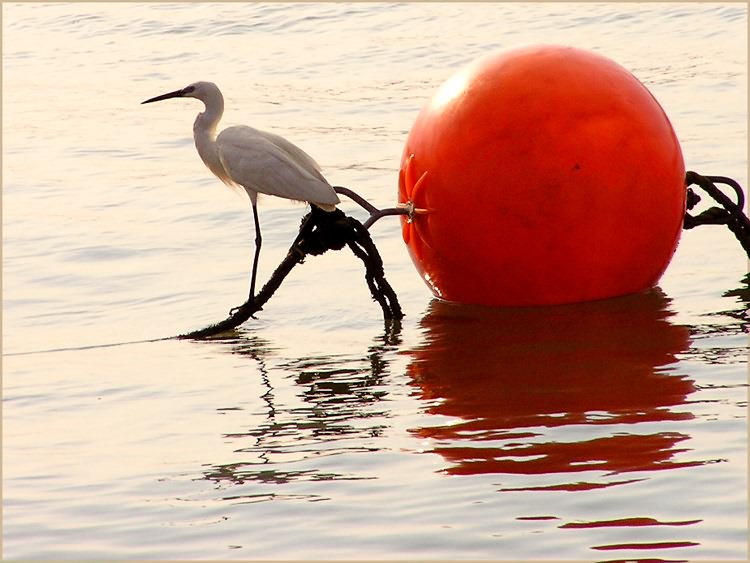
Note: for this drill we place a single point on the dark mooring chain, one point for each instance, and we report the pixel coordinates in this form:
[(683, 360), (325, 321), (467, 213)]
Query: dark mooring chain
[(731, 213), (322, 231), (319, 232)]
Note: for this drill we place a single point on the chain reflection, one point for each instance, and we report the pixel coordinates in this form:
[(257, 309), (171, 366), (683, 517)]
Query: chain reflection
[(314, 407)]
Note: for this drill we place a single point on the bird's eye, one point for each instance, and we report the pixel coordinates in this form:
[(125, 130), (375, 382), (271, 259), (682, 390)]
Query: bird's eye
[(188, 89)]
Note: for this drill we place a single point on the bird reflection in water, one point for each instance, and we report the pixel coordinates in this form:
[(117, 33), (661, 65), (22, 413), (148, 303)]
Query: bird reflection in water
[(555, 390)]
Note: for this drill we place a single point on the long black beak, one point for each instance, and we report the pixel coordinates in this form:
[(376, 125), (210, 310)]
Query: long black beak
[(175, 94)]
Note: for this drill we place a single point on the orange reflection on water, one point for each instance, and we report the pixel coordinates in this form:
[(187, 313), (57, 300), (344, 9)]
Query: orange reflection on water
[(510, 375)]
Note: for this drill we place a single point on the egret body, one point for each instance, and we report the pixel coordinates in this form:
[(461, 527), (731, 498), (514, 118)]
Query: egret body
[(256, 161)]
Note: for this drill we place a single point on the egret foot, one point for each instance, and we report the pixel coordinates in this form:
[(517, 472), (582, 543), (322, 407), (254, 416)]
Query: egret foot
[(240, 308)]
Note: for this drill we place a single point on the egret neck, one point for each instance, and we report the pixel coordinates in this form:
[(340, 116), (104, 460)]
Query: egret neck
[(204, 134)]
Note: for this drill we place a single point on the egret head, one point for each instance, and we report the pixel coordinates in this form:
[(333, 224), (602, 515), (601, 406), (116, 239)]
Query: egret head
[(207, 92)]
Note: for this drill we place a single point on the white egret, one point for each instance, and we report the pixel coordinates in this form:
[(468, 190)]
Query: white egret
[(257, 161)]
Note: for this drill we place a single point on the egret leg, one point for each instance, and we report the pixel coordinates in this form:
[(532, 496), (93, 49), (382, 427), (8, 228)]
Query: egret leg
[(258, 241)]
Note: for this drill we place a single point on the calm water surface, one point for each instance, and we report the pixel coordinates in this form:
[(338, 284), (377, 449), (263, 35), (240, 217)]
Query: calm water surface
[(605, 431)]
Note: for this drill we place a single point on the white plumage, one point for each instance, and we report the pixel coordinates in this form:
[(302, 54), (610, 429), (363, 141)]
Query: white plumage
[(257, 161), (269, 164)]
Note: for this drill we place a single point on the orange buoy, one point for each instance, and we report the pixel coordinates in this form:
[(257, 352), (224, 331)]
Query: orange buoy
[(541, 175)]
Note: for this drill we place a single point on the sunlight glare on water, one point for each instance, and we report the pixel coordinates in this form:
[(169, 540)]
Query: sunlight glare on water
[(603, 431)]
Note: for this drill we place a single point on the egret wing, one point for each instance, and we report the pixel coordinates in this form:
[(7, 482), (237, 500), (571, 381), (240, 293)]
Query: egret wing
[(269, 164)]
